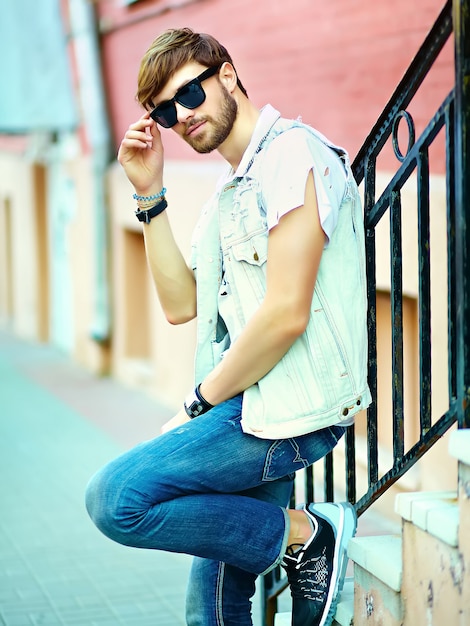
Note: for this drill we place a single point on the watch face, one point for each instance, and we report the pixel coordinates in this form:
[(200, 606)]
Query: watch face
[(193, 405), (196, 409)]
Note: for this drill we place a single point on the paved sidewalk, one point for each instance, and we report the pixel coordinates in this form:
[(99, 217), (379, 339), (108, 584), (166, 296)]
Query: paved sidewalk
[(58, 424)]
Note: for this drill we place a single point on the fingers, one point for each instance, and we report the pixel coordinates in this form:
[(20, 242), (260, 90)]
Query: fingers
[(138, 134), (142, 133), (155, 133), (178, 420), (139, 137), (141, 153)]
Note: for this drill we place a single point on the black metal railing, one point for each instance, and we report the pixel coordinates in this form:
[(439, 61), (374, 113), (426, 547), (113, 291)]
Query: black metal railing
[(452, 119)]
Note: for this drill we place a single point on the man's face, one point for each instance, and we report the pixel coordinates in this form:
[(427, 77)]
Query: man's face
[(206, 127)]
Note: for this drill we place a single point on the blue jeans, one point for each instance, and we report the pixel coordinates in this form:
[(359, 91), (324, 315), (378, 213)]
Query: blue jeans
[(208, 489)]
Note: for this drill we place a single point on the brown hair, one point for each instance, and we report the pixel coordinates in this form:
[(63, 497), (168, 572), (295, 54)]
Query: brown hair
[(170, 51)]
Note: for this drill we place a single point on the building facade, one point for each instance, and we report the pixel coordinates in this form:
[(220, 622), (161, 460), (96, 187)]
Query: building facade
[(72, 266)]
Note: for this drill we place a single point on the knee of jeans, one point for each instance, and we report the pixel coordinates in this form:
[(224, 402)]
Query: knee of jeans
[(97, 501), (103, 500)]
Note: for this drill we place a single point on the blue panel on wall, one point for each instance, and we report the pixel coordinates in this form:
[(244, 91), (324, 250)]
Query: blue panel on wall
[(36, 87)]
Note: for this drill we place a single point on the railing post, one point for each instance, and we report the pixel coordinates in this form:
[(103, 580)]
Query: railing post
[(461, 20)]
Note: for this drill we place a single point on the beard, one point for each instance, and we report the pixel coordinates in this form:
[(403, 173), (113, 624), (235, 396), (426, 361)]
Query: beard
[(218, 128)]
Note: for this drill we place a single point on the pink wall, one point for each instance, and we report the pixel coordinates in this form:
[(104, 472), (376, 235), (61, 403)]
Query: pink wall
[(334, 63)]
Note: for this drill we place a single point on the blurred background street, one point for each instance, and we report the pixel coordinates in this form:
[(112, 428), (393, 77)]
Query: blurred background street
[(58, 424)]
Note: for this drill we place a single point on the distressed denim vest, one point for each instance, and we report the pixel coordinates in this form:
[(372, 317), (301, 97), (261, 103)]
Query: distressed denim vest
[(322, 379)]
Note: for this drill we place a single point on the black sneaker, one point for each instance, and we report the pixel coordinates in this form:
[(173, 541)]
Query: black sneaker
[(316, 572)]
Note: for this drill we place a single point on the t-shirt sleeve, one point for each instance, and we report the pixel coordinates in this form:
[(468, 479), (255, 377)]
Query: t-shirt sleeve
[(288, 160)]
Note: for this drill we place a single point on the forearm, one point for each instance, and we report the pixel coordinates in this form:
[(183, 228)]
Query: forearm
[(174, 280), (264, 341), (141, 156), (295, 248)]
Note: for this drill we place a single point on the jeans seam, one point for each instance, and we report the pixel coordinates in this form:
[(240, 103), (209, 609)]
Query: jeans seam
[(283, 549), (218, 595), (332, 430), (269, 458), (298, 458)]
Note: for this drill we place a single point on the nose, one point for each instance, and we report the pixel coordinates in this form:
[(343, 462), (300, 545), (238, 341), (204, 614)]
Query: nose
[(182, 113)]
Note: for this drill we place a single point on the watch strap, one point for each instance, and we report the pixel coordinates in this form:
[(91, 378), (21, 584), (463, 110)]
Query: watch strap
[(147, 214), (195, 404)]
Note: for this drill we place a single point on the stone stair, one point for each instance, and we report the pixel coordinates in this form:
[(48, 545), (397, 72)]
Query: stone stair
[(421, 577)]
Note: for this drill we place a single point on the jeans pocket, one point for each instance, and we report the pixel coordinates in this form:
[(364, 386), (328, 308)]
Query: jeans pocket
[(286, 456)]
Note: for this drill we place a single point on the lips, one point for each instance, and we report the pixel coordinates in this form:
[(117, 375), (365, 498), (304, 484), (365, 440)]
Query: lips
[(194, 128)]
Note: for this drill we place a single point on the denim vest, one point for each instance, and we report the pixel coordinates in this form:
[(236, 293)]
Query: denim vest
[(322, 379)]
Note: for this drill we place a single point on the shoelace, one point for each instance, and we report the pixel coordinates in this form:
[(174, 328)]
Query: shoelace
[(312, 583)]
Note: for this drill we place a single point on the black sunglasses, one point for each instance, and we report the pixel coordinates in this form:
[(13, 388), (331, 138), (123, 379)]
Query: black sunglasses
[(190, 96)]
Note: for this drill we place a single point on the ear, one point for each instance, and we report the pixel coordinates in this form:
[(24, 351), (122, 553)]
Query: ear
[(228, 77)]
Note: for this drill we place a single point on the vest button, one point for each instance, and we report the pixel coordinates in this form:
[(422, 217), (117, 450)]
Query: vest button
[(345, 412)]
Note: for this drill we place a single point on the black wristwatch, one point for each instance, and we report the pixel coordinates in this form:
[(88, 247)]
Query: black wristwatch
[(196, 405), (145, 215)]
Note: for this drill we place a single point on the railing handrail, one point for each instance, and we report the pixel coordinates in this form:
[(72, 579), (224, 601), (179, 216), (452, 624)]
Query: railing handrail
[(454, 116), (364, 169), (405, 90)]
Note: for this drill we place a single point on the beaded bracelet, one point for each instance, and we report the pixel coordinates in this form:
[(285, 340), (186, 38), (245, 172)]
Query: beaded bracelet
[(150, 198), (147, 204)]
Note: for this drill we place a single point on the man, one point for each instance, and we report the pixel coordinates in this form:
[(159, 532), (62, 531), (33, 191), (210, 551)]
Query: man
[(277, 284)]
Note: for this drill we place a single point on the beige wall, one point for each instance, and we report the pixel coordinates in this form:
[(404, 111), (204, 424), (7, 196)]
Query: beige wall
[(27, 226), (82, 247), (19, 293)]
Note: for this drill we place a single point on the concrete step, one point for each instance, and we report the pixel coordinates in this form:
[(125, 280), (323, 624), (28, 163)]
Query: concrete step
[(377, 576), (344, 610), (434, 566), (459, 445), (435, 512), (380, 557), (282, 619), (459, 448)]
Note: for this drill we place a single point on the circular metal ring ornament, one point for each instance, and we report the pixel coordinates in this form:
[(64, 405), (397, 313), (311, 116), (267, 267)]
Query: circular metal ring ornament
[(411, 134)]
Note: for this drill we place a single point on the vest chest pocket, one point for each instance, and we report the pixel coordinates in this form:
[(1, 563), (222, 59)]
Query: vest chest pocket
[(253, 251)]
